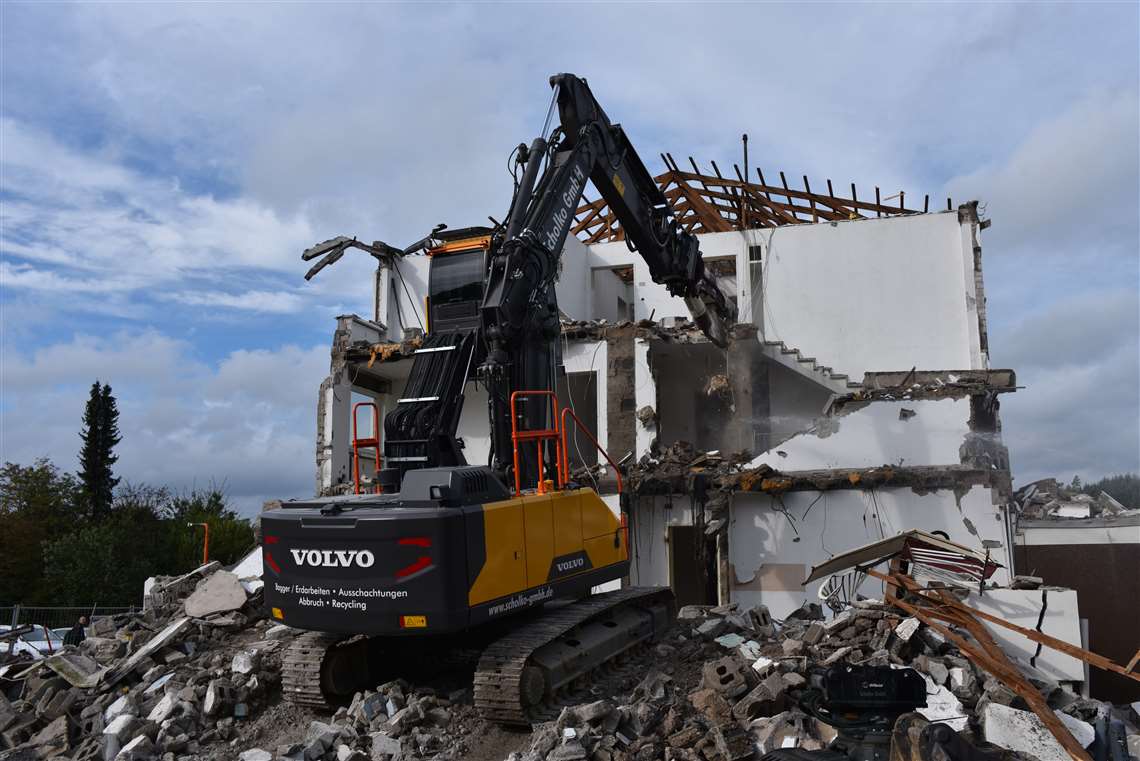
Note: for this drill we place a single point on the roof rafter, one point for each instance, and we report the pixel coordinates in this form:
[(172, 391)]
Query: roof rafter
[(716, 203)]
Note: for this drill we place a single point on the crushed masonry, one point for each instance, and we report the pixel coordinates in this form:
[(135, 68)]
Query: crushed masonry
[(723, 683)]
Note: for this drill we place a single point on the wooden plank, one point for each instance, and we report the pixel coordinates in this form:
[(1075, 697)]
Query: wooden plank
[(1001, 668), (807, 187), (774, 205), (737, 203), (709, 217), (802, 195), (1093, 659)]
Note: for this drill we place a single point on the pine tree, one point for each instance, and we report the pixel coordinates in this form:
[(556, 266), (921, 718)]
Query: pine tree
[(100, 435)]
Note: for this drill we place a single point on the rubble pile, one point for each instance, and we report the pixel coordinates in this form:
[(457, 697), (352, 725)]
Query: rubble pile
[(1046, 499), (173, 682), (391, 723), (730, 683), (196, 677)]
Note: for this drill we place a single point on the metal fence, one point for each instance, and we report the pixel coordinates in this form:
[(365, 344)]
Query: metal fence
[(55, 617)]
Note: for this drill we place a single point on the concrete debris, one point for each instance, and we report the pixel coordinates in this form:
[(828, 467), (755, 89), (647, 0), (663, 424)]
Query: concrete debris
[(1048, 500), (723, 684), (728, 701), (1022, 731), (221, 592), (155, 685), (78, 669)]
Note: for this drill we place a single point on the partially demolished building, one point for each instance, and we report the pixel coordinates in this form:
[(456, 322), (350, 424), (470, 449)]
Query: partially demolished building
[(854, 401)]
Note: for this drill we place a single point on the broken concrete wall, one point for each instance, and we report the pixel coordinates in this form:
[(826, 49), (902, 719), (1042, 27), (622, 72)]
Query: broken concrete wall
[(818, 282), (649, 537), (336, 397), (574, 281), (794, 404), (1053, 611), (1098, 557), (774, 541), (619, 405), (816, 279), (400, 301), (352, 381), (915, 432)]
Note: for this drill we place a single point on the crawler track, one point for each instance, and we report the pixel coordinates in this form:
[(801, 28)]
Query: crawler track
[(508, 683), (301, 668), (511, 686)]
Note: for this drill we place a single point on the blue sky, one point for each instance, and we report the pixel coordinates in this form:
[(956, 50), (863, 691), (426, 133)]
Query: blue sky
[(162, 166)]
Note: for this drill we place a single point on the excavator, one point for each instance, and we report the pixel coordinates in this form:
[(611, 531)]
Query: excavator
[(500, 557)]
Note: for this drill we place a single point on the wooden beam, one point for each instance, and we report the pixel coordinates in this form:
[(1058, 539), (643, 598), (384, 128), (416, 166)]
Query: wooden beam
[(943, 597), (799, 194), (998, 665)]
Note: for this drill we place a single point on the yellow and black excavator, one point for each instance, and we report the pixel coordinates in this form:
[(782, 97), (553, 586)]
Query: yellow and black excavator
[(500, 556)]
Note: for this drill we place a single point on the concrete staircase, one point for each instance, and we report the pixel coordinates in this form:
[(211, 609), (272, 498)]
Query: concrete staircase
[(793, 359)]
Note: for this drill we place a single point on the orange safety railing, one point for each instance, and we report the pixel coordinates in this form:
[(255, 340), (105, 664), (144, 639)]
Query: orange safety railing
[(538, 436), (564, 463), (373, 442)]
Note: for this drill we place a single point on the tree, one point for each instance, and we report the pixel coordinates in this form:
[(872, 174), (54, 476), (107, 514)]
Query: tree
[(37, 503), (231, 537), (100, 435), (1123, 487), (107, 563)]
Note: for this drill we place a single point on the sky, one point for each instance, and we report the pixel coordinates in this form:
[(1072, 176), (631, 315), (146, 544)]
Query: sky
[(163, 166)]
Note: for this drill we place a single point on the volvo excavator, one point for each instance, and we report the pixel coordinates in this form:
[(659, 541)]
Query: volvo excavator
[(498, 557)]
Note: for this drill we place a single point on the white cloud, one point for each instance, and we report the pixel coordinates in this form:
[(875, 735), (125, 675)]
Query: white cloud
[(1079, 412), (1071, 182), (89, 224), (248, 423), (186, 153), (280, 302)]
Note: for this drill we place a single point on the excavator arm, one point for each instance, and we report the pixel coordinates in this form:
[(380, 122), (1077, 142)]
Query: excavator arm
[(520, 314)]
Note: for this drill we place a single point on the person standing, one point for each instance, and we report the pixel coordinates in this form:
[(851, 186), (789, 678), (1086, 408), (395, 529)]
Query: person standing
[(77, 633)]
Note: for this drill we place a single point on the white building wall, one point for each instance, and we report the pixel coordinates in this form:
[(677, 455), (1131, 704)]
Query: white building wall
[(591, 357), (605, 293), (774, 543), (473, 427), (863, 295), (874, 294), (573, 287), (876, 435), (649, 531), (644, 394), (400, 310)]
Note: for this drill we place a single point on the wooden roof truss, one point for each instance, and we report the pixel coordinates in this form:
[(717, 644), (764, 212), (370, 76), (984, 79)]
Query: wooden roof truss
[(705, 203)]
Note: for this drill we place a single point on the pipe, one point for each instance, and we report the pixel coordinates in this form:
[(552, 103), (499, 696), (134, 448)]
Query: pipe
[(526, 187)]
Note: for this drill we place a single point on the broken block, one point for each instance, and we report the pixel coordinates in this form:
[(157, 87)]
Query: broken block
[(766, 699), (163, 709), (813, 634), (792, 646), (963, 683), (726, 676), (907, 628), (244, 662), (255, 754), (219, 593), (1023, 731), (139, 749)]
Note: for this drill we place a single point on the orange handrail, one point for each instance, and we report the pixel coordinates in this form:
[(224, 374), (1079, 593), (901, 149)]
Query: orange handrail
[(358, 444), (564, 463), (538, 436)]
